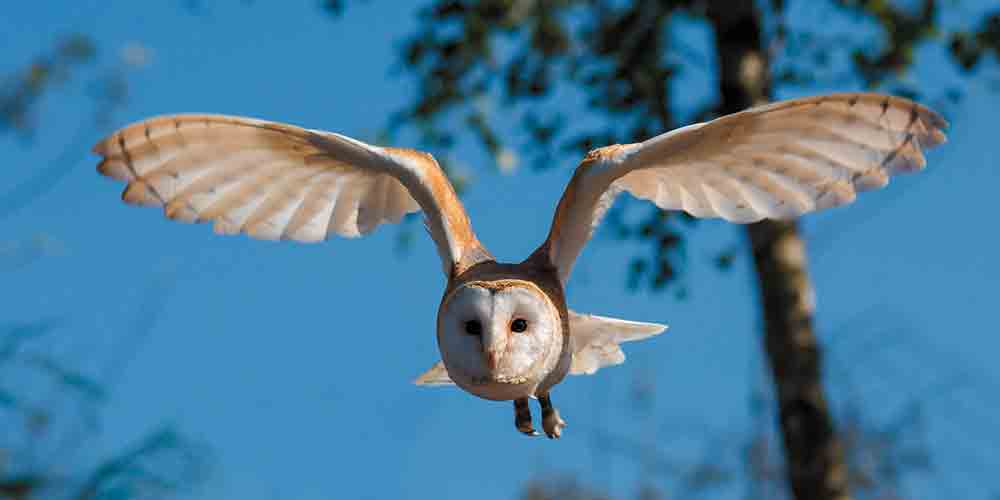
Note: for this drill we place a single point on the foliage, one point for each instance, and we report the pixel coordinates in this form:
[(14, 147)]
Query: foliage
[(333, 7), (573, 75), (54, 406), (21, 98), (882, 452), (969, 47), (50, 406), (20, 93), (559, 489), (622, 61)]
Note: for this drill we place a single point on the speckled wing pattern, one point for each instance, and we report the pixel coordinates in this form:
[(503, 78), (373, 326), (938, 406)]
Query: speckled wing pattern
[(275, 181), (775, 161)]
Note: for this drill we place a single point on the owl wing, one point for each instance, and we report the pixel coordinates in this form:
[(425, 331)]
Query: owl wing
[(275, 181), (775, 161), (596, 340)]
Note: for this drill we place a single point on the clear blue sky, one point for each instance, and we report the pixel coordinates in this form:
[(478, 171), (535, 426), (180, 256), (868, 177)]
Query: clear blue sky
[(293, 363)]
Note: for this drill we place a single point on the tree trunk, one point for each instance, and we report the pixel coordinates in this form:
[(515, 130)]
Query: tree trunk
[(813, 451)]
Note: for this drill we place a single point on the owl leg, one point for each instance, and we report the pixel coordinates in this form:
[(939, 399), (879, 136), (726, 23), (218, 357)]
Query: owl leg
[(522, 417), (551, 421)]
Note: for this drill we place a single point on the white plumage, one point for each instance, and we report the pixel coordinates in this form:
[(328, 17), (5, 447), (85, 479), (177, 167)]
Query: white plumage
[(775, 161), (274, 181), (504, 329)]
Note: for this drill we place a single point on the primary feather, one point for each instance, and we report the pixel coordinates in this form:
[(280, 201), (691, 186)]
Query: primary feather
[(276, 181), (775, 161)]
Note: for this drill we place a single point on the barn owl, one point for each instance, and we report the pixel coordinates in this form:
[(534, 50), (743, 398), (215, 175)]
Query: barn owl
[(503, 329)]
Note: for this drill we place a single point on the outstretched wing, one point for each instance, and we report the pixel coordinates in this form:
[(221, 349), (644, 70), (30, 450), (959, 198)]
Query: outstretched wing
[(775, 161), (275, 181)]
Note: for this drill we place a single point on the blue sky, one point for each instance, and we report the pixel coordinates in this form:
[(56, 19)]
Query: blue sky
[(293, 363)]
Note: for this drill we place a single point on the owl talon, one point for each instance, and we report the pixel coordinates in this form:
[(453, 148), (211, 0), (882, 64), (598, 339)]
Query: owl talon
[(522, 418), (552, 423)]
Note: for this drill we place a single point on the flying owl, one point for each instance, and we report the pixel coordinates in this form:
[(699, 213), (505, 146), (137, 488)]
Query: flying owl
[(504, 330)]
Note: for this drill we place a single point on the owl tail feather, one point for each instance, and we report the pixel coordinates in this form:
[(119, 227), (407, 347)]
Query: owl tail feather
[(437, 375)]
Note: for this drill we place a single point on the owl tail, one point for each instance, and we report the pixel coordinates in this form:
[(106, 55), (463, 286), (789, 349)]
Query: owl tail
[(437, 375), (596, 340)]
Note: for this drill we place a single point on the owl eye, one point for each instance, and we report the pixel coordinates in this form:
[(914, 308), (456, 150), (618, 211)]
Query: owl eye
[(518, 325), (473, 327)]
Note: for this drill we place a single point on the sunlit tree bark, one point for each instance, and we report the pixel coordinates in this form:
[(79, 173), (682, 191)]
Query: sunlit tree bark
[(813, 452)]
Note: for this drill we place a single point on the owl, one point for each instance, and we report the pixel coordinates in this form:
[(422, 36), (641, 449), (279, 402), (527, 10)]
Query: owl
[(504, 330)]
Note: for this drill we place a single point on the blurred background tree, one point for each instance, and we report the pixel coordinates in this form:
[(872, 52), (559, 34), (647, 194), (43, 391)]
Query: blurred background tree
[(50, 409), (885, 444), (506, 73), (50, 397), (625, 63), (73, 60)]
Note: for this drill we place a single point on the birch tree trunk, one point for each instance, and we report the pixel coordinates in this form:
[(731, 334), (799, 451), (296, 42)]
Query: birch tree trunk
[(813, 451)]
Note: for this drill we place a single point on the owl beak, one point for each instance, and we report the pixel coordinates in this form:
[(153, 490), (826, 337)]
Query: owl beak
[(492, 359), (493, 348)]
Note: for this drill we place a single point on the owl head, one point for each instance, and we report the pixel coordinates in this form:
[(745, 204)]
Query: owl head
[(496, 336)]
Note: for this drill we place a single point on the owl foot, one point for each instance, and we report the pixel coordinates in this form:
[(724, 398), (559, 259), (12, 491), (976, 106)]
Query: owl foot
[(522, 417), (552, 423)]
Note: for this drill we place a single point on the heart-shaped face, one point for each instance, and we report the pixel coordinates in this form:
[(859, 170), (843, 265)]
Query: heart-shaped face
[(497, 337)]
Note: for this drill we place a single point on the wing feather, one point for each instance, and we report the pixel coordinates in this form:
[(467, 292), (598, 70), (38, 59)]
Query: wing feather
[(310, 219), (275, 181), (596, 340), (775, 161)]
